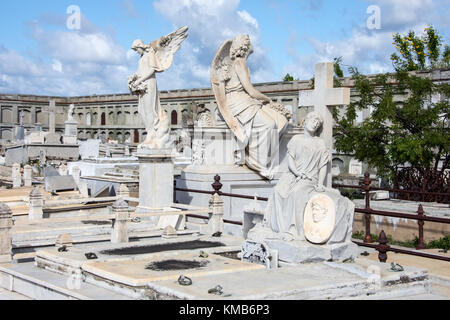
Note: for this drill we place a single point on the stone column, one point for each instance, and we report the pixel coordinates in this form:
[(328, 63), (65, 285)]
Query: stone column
[(5, 233), (16, 177), (36, 205), (76, 172), (215, 223), (155, 178), (119, 233), (27, 176)]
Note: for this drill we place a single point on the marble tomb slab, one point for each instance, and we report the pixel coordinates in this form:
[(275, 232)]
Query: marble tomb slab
[(135, 272)]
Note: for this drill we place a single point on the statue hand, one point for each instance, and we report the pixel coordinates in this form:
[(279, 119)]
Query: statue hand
[(320, 189)]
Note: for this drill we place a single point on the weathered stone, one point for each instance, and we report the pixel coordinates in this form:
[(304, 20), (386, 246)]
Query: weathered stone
[(36, 205), (16, 176), (60, 183), (119, 233), (5, 233), (169, 232), (323, 98), (64, 240), (27, 176), (215, 223)]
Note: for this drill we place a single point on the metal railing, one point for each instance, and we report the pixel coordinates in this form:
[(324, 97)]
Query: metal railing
[(382, 247)]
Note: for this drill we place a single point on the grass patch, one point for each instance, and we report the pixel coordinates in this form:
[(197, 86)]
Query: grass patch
[(442, 243)]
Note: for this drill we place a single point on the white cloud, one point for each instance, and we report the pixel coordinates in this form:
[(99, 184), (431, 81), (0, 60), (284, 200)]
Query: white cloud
[(210, 22), (368, 50), (69, 63)]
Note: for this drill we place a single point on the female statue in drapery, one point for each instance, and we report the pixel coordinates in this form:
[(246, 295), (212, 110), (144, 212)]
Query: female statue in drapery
[(301, 193), (256, 122), (155, 57)]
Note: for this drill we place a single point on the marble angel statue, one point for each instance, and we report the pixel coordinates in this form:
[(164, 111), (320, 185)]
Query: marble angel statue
[(256, 122), (155, 57)]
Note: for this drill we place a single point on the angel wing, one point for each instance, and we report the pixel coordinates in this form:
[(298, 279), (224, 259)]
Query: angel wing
[(220, 73), (166, 47)]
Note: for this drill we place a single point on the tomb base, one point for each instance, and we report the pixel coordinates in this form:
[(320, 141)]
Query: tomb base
[(305, 252), (234, 179)]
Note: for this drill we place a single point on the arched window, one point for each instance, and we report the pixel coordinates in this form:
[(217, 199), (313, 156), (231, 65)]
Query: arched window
[(103, 123), (174, 117)]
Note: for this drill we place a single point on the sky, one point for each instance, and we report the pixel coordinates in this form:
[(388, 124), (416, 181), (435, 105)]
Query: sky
[(46, 50)]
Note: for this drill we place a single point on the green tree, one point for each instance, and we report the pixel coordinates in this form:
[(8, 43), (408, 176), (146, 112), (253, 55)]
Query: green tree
[(288, 77), (420, 52), (411, 131)]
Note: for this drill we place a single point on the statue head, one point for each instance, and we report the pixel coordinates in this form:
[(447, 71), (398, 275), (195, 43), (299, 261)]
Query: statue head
[(241, 46), (313, 122), (318, 212), (139, 46)]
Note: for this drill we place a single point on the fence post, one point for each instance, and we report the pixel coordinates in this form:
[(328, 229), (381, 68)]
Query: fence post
[(420, 213), (215, 223), (119, 233), (382, 247), (5, 233), (36, 205), (367, 217)]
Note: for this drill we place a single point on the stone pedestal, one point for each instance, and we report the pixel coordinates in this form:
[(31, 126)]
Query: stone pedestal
[(71, 132), (119, 233), (304, 252), (156, 172), (16, 177), (27, 176), (76, 172), (36, 205), (5, 233), (215, 223)]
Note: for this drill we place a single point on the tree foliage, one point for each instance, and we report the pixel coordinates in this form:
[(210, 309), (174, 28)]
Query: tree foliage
[(420, 52), (409, 122), (288, 77)]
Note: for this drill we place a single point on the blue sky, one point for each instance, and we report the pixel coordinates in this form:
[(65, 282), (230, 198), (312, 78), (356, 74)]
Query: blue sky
[(40, 55)]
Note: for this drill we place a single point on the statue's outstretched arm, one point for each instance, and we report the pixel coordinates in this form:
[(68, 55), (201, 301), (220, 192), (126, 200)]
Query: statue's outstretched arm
[(244, 77)]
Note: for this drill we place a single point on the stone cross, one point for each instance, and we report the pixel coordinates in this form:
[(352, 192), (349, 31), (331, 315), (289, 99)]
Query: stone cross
[(323, 98), (52, 110)]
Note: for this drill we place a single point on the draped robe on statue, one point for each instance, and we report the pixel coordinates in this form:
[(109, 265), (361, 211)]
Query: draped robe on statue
[(285, 211), (261, 127)]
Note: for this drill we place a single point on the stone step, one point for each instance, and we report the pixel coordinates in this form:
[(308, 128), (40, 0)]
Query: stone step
[(35, 283)]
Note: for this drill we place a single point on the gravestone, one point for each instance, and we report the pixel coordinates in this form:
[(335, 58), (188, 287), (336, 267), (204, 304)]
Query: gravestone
[(323, 98), (59, 183), (355, 167), (50, 171), (16, 177), (53, 138), (62, 170), (71, 128), (27, 176)]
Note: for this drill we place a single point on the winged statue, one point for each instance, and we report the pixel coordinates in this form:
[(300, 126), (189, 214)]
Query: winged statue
[(254, 119), (156, 57)]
